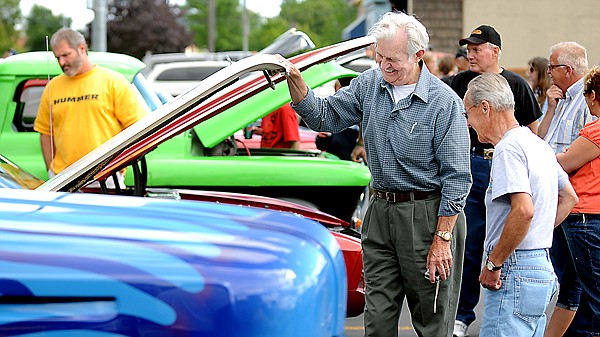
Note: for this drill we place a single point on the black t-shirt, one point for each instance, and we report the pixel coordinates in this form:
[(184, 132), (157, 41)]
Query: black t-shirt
[(527, 109), (447, 79)]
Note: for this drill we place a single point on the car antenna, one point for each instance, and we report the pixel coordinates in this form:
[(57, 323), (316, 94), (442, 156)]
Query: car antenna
[(50, 107)]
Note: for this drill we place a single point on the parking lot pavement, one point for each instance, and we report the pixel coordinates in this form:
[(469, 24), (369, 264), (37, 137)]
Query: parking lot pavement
[(355, 327)]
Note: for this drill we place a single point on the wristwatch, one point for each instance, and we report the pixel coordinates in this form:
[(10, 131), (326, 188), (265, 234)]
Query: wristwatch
[(445, 235), (491, 266)]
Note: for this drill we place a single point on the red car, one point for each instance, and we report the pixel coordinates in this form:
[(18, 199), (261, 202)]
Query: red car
[(307, 139)]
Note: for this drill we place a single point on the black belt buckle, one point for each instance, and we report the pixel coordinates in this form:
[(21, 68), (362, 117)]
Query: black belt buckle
[(488, 154), (390, 197)]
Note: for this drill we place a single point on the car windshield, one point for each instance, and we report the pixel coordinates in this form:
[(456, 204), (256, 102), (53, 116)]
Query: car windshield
[(146, 92), (11, 176)]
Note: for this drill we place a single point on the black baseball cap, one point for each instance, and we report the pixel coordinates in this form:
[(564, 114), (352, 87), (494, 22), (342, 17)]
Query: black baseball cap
[(461, 52), (483, 34)]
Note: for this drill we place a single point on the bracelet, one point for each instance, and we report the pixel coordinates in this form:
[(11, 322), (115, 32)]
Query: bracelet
[(360, 144)]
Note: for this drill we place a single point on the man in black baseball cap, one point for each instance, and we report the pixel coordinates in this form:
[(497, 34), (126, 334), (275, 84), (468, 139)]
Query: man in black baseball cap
[(483, 53), (483, 34)]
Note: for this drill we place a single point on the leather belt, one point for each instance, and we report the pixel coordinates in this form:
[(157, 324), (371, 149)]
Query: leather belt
[(485, 153), (402, 196), (583, 217)]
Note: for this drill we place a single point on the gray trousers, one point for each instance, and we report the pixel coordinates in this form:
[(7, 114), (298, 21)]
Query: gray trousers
[(396, 238)]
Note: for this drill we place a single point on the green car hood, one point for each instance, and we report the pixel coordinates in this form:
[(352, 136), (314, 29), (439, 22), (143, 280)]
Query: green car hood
[(28, 64), (218, 128)]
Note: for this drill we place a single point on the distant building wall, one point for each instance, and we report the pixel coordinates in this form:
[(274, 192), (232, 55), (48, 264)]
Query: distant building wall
[(529, 28), (443, 20)]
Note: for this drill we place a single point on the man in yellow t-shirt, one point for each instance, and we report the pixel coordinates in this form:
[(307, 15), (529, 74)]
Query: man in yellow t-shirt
[(83, 107)]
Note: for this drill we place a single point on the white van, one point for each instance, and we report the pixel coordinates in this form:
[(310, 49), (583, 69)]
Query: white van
[(178, 77)]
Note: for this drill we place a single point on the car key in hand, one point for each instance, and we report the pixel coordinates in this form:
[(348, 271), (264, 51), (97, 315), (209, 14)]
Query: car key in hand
[(437, 288)]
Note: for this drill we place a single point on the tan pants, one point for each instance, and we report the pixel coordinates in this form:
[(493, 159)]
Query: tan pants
[(396, 238)]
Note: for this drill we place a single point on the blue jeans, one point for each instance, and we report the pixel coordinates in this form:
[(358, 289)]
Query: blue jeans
[(583, 237), (518, 307), (475, 214), (569, 286)]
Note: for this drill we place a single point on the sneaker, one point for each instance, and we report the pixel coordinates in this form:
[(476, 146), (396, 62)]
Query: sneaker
[(460, 329)]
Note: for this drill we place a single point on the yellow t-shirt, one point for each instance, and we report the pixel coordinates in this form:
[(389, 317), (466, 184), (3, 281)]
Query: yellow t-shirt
[(87, 110)]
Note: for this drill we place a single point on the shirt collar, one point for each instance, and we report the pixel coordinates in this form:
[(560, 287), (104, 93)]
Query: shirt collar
[(423, 83), (575, 89)]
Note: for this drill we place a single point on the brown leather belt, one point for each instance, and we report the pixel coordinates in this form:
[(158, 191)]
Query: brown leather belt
[(403, 196)]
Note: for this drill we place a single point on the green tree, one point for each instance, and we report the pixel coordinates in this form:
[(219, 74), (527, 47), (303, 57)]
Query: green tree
[(10, 15), (265, 34), (323, 21), (41, 23), (197, 21), (229, 29), (138, 26)]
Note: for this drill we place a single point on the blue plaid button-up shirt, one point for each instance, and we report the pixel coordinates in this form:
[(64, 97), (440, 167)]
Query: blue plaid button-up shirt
[(420, 143), (570, 116)]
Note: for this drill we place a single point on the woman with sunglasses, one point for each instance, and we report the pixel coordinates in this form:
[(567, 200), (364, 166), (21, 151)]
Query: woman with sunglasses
[(538, 79), (582, 226)]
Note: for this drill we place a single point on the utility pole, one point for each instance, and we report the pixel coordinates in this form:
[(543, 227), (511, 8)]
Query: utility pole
[(246, 26), (99, 25), (212, 25)]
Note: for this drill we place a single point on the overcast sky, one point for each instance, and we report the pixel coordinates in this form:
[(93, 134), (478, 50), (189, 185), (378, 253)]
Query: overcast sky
[(78, 12)]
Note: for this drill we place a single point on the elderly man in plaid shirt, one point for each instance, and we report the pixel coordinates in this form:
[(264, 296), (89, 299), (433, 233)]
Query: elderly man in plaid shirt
[(417, 144)]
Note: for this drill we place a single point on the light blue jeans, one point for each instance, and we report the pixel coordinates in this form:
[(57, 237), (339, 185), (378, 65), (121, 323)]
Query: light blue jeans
[(518, 307)]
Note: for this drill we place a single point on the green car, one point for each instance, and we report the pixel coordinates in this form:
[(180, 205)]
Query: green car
[(202, 157)]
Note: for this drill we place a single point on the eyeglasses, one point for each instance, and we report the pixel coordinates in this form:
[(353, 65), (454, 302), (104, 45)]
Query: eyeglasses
[(466, 113), (531, 69), (552, 66)]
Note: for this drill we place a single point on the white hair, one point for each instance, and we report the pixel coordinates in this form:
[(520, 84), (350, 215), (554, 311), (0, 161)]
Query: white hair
[(572, 54), (391, 22), (493, 88)]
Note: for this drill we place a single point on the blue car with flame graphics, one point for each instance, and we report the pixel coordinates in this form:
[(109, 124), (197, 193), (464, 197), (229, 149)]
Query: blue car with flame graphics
[(75, 264)]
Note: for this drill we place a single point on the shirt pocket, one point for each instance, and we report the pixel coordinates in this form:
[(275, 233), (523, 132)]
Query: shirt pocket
[(411, 139), (532, 296), (565, 133)]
